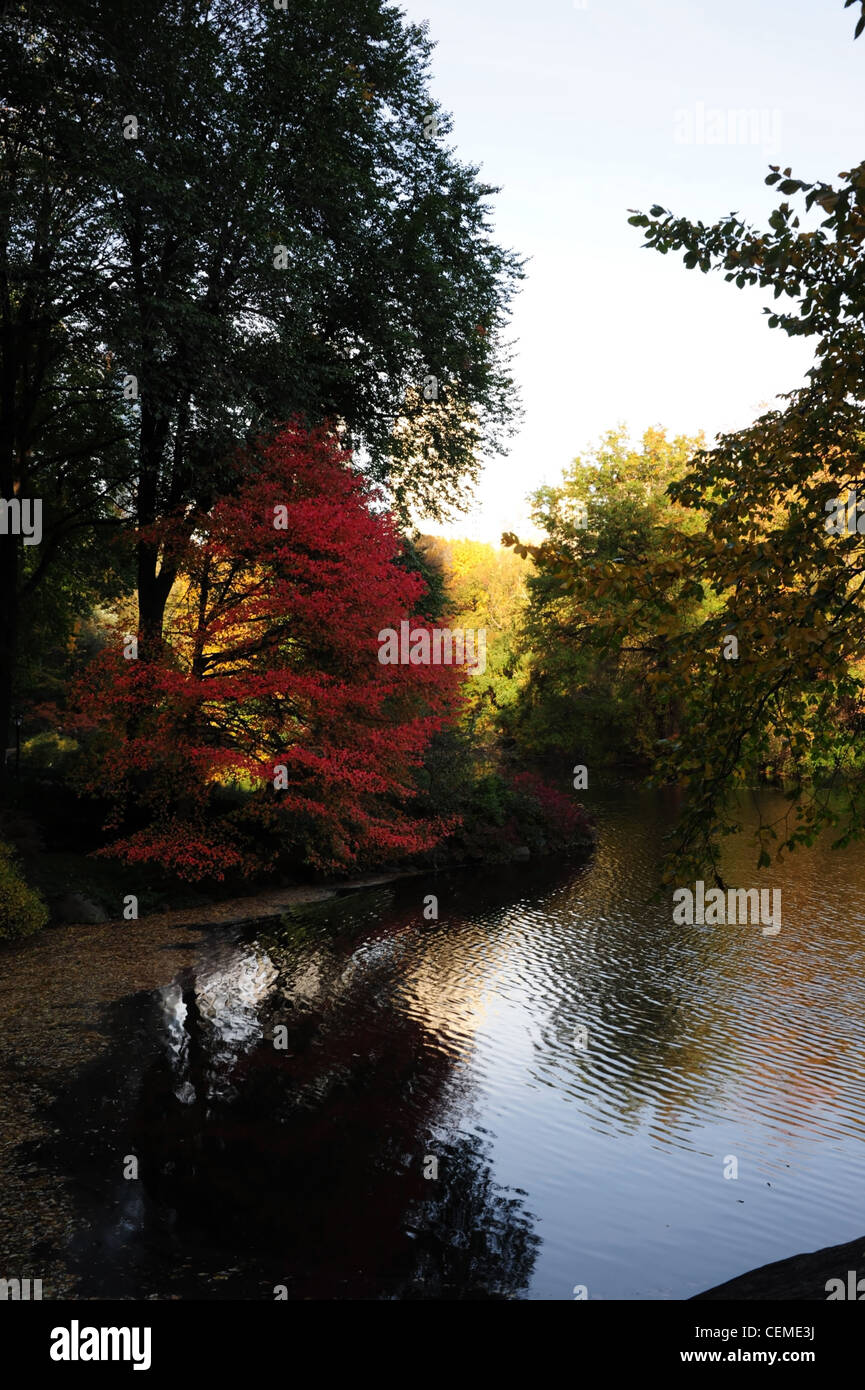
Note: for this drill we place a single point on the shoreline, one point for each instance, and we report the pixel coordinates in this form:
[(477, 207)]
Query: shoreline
[(255, 906), (272, 902)]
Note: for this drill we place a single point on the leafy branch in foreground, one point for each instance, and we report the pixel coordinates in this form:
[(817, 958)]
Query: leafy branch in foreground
[(771, 681)]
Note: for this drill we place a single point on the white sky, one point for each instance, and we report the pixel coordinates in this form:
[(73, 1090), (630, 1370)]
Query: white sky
[(574, 112)]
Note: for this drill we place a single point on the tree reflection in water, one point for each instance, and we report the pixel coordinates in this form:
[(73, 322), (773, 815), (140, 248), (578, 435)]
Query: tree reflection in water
[(301, 1167)]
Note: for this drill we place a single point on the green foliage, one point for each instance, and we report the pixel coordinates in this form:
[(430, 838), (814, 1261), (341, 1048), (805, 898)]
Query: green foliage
[(485, 590), (860, 23), (418, 558), (790, 697), (22, 911), (585, 690), (49, 752), (495, 810)]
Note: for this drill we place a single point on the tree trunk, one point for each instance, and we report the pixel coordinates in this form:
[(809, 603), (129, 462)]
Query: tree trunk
[(8, 641), (154, 582)]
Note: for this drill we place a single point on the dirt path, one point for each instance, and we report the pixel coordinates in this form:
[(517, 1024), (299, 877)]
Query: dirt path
[(257, 906)]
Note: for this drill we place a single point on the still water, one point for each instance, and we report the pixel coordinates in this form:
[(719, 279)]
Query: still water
[(432, 1127)]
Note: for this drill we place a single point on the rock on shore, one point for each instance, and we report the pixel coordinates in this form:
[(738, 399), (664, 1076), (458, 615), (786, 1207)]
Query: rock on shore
[(800, 1277)]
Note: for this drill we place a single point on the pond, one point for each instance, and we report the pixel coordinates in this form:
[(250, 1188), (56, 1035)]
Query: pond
[(541, 1089)]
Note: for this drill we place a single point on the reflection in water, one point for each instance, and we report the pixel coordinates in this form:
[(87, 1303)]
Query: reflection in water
[(226, 993), (454, 1041), (305, 1165)]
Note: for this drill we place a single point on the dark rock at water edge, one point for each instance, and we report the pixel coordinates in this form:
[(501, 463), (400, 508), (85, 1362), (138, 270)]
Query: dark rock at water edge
[(799, 1277)]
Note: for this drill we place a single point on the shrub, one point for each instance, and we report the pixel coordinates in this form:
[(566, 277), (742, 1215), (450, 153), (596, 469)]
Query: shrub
[(496, 811), (48, 752), (22, 911), (549, 820)]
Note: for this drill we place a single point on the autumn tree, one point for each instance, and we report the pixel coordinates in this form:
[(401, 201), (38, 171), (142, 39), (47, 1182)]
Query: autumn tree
[(269, 730)]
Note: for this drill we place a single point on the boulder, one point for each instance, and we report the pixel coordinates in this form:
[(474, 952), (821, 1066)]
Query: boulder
[(74, 907)]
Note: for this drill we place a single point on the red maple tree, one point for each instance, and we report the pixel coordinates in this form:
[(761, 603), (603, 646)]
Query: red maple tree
[(267, 726)]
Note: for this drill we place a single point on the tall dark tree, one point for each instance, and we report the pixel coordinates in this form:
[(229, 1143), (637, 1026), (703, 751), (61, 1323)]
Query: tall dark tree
[(246, 212), (63, 444)]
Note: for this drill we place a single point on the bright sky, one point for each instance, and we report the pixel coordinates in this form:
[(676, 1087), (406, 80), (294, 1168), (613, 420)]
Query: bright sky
[(575, 108)]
